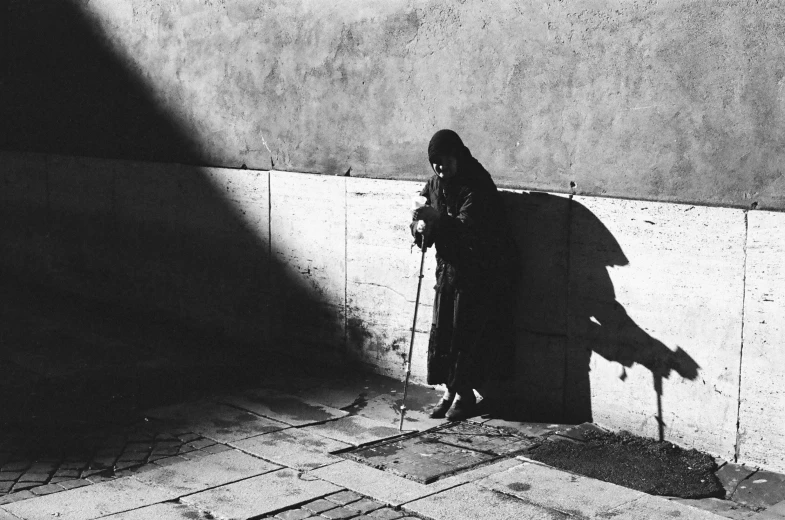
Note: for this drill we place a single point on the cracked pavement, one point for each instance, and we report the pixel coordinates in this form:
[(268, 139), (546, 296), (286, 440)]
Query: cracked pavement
[(270, 452)]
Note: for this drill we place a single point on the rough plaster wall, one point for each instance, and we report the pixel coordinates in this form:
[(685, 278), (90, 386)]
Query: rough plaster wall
[(650, 99)]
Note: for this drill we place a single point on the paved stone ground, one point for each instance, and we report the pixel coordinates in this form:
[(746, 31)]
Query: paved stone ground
[(268, 453)]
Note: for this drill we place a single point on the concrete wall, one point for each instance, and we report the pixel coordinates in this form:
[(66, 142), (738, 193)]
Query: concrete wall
[(656, 99), (650, 316), (659, 318)]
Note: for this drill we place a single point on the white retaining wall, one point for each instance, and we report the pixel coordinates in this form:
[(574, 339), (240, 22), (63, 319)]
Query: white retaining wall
[(656, 315)]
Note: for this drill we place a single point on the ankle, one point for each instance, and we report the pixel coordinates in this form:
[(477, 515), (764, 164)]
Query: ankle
[(466, 397)]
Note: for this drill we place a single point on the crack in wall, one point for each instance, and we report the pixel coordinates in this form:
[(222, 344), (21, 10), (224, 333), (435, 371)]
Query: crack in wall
[(385, 287), (737, 447), (346, 264), (568, 332)]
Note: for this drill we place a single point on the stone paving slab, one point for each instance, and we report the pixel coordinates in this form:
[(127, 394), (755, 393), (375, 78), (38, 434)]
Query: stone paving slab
[(526, 429), (260, 495), (206, 472), (336, 394), (762, 489), (775, 512), (392, 489), (354, 430), (471, 502), (386, 408), (578, 433), (726, 508), (163, 511), (5, 515), (479, 437), (380, 485), (651, 507), (216, 421), (559, 490), (293, 448), (285, 408), (91, 501), (418, 458), (731, 475)]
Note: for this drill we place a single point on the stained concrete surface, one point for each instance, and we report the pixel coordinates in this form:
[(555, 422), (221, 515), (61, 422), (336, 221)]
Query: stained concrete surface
[(162, 511), (214, 420), (283, 407), (260, 495), (206, 472), (294, 447), (440, 452), (762, 409), (559, 490), (471, 501), (91, 501), (649, 100)]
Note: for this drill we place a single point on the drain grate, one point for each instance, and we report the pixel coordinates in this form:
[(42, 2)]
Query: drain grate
[(443, 451)]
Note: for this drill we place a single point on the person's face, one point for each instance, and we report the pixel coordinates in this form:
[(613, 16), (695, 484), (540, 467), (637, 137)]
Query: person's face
[(446, 168)]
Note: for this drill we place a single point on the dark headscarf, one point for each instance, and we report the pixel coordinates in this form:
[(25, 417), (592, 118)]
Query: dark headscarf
[(446, 142)]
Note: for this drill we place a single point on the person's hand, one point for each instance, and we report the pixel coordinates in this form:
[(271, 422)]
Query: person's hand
[(428, 214)]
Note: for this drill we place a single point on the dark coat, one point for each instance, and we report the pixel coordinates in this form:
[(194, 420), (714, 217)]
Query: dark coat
[(472, 335)]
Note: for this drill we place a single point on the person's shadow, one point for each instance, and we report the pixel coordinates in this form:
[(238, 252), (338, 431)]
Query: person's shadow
[(567, 310)]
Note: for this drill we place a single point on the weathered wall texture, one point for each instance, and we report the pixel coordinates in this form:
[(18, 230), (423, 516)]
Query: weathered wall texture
[(762, 411), (664, 325), (657, 318), (647, 99)]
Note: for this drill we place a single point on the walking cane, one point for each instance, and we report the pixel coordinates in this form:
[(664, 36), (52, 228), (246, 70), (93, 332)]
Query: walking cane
[(411, 342)]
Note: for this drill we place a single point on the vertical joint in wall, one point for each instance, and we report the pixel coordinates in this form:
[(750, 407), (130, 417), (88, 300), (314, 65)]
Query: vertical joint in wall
[(271, 332), (346, 265), (737, 447), (567, 316)]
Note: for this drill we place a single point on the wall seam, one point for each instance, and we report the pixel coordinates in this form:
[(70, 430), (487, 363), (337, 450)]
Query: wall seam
[(737, 446), (345, 265), (47, 180), (568, 331), (272, 335)]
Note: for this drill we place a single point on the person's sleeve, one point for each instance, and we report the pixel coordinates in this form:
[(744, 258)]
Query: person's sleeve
[(424, 192), (460, 237)]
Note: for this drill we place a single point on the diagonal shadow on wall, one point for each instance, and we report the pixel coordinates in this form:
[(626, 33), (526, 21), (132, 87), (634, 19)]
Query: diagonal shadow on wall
[(567, 310), (126, 284)]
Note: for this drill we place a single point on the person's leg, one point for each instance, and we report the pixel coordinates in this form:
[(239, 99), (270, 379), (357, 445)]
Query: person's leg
[(464, 405), (439, 410), (465, 395)]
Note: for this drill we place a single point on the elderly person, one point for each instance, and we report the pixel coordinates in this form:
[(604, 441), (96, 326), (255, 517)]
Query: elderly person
[(471, 336)]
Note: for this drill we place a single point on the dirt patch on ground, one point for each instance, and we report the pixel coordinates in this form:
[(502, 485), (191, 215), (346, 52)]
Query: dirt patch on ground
[(657, 468)]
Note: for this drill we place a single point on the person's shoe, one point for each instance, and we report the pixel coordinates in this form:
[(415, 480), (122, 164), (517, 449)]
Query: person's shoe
[(439, 411), (461, 410)]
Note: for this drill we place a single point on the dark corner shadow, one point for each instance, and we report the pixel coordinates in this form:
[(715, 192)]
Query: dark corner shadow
[(105, 315), (567, 310)]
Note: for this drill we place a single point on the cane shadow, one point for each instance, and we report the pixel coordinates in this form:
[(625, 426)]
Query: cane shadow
[(567, 311)]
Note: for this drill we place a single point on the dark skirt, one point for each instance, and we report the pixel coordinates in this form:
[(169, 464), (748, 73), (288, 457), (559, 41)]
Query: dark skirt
[(472, 334)]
